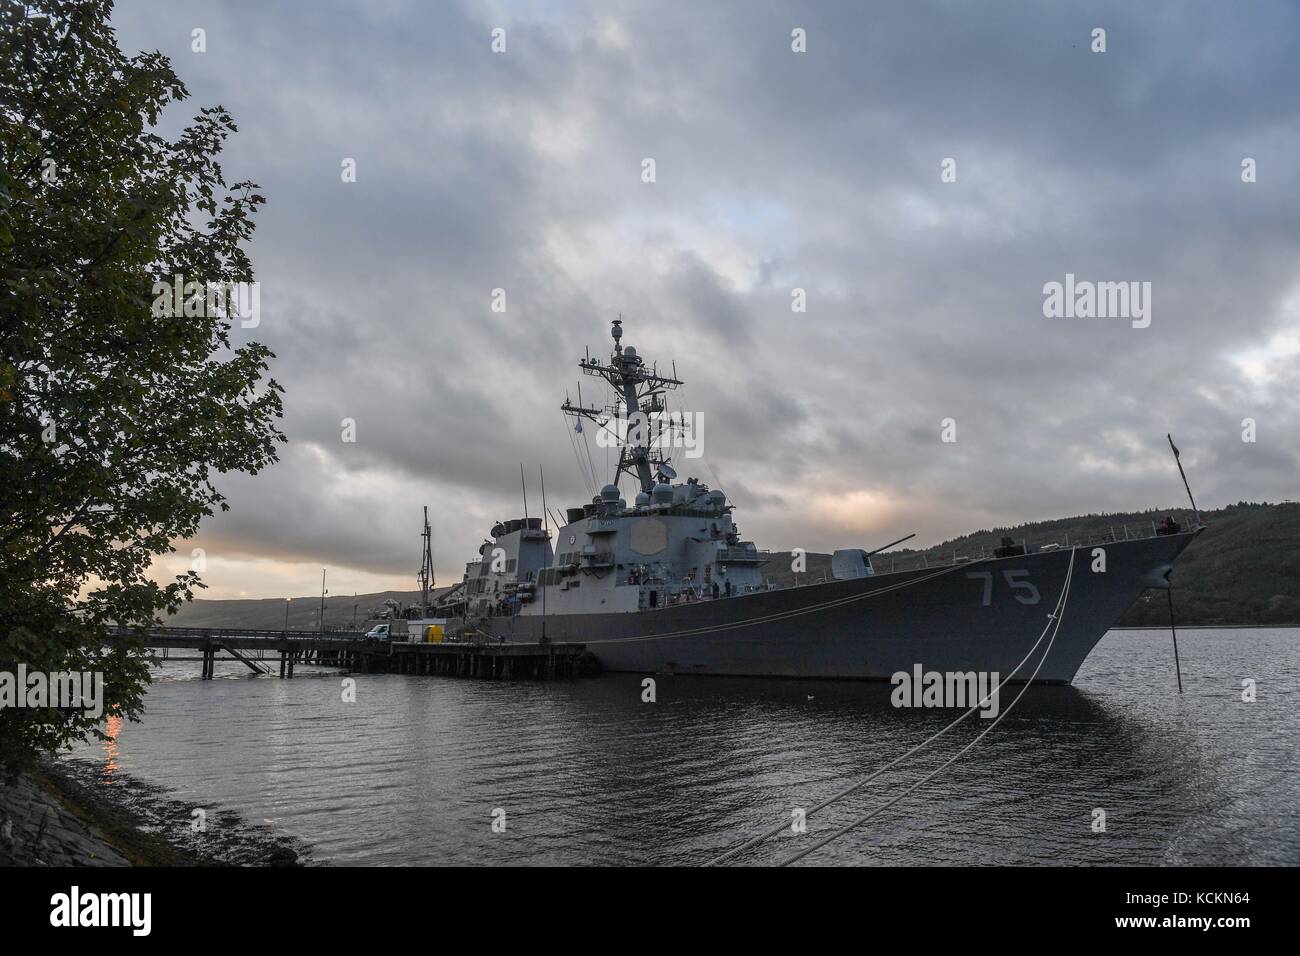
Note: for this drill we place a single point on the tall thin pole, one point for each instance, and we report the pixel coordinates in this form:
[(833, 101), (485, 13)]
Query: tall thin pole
[(286, 613), (546, 515), (1179, 462), (426, 564), (545, 565), (1169, 593), (323, 592), (525, 487)]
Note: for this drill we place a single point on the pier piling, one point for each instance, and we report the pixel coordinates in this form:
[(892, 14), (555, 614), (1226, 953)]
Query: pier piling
[(482, 659)]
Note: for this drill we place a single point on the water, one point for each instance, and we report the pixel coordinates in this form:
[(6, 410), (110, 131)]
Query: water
[(587, 773)]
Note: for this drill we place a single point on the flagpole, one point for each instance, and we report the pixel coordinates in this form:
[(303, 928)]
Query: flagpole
[(1179, 462)]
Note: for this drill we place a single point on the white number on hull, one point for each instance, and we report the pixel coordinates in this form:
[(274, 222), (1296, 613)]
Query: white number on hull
[(1027, 592), (988, 584), (1030, 595)]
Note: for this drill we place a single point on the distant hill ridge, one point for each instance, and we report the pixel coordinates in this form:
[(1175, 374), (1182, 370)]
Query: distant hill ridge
[(1245, 569)]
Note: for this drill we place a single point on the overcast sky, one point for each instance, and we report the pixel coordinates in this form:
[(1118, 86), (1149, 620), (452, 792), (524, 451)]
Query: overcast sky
[(775, 170)]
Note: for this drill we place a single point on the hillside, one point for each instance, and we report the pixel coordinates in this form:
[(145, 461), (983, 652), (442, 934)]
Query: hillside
[(1245, 569), (269, 613)]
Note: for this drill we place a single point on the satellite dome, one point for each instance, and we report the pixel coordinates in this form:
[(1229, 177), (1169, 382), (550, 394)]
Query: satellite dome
[(662, 494), (609, 492), (642, 499)]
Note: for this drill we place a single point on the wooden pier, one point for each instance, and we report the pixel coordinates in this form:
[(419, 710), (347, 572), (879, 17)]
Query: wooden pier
[(351, 652), (500, 661)]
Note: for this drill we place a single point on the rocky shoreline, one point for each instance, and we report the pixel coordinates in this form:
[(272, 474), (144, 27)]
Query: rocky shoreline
[(69, 813)]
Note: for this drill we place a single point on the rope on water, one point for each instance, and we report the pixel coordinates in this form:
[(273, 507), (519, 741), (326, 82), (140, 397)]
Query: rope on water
[(1055, 616), (1065, 591)]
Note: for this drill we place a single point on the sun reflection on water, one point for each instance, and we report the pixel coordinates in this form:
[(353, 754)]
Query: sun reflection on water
[(110, 745)]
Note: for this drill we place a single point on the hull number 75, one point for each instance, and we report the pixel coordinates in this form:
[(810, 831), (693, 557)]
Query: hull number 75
[(1025, 591)]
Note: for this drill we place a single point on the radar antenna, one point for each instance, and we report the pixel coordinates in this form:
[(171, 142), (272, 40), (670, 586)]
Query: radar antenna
[(640, 395)]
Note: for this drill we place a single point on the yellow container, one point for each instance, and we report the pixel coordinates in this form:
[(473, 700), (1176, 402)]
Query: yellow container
[(433, 634)]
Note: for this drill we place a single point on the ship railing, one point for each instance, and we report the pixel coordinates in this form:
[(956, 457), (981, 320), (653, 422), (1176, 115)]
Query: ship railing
[(742, 556), (1044, 541)]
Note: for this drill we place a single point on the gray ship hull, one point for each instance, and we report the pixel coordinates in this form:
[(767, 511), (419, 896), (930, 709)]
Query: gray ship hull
[(979, 616)]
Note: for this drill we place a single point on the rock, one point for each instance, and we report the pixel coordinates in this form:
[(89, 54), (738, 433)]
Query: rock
[(281, 856)]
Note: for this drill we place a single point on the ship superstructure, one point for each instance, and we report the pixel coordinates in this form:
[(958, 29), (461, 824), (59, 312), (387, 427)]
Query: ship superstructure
[(665, 582)]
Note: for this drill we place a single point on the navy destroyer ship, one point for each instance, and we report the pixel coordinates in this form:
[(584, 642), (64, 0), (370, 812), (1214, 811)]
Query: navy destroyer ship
[(664, 583)]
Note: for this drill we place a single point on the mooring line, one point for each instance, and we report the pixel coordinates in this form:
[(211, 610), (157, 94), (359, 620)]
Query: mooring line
[(1055, 616), (935, 772)]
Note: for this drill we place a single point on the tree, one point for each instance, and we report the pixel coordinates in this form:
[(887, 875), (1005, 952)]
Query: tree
[(115, 416)]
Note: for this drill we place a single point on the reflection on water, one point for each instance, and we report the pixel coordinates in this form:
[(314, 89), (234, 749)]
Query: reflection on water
[(588, 773), (113, 728)]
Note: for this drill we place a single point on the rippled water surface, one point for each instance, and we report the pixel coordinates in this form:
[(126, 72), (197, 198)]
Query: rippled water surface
[(587, 773)]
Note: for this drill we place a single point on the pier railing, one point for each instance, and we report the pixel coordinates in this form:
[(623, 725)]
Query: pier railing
[(349, 650), (242, 633)]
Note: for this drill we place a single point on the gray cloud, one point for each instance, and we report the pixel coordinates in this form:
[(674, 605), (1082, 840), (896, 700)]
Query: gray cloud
[(775, 170)]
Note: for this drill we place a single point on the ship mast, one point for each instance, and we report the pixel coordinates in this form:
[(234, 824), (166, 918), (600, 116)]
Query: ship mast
[(425, 577), (640, 390)]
